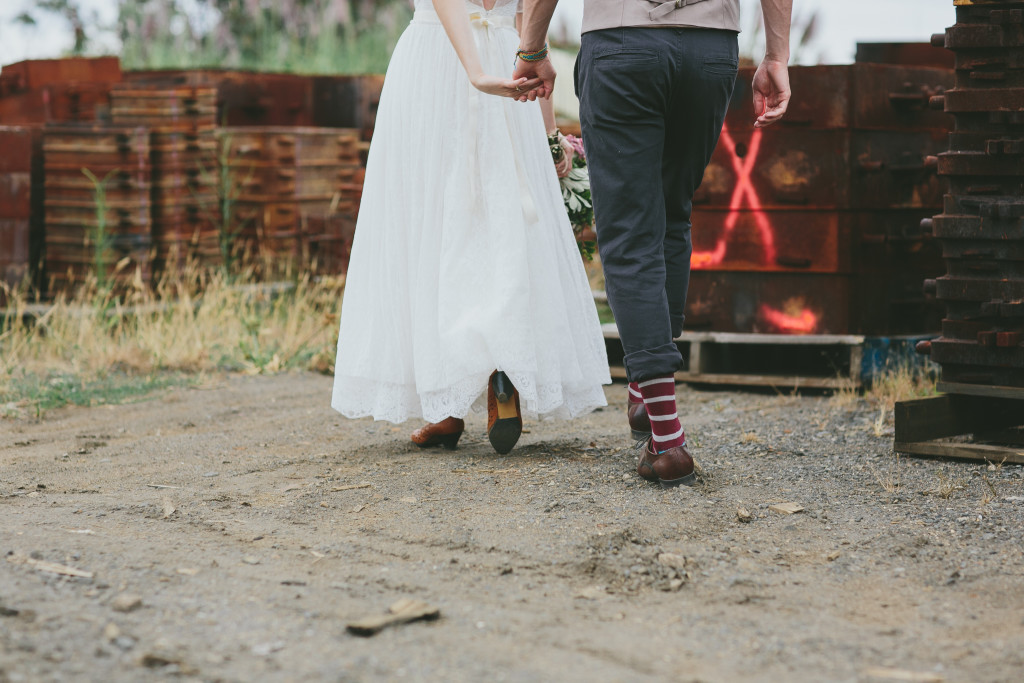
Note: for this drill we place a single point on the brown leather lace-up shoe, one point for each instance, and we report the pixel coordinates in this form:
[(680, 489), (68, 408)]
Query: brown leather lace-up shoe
[(639, 421), (671, 468), (444, 433), (504, 419)]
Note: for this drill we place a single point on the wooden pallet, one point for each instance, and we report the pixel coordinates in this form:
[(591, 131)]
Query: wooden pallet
[(820, 361), (935, 426)]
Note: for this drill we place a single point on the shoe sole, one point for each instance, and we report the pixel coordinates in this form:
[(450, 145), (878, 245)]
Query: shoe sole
[(449, 441), (505, 434), (688, 480)]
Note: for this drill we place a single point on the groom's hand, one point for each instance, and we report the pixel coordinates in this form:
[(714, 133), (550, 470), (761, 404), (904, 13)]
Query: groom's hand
[(771, 92), (541, 69)]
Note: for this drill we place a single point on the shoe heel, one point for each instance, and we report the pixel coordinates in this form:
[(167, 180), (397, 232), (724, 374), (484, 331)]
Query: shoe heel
[(450, 441), (688, 480), (639, 436), (502, 386)]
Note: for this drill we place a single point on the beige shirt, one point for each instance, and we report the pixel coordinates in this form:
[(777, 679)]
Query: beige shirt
[(602, 14)]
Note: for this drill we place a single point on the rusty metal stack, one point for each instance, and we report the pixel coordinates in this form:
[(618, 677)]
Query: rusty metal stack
[(981, 229), (277, 177), (810, 226), (57, 90), (75, 209), (183, 154), (20, 175)]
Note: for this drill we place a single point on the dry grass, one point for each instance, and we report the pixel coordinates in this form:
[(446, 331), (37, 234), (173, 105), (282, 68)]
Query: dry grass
[(890, 480), (902, 382), (948, 486), (196, 323)]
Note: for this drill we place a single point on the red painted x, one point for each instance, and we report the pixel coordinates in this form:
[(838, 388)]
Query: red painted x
[(744, 190)]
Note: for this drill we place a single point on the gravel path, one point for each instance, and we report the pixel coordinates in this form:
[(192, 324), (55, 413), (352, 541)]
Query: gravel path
[(232, 531)]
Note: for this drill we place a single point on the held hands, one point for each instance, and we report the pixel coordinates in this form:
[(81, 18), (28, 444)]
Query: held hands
[(504, 87), (542, 71), (771, 92)]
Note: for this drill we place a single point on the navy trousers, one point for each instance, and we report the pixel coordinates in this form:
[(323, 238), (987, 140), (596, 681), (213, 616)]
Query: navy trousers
[(652, 104)]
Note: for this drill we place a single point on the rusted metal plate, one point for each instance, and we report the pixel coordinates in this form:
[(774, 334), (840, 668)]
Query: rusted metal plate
[(971, 250), (780, 303), (17, 143), (66, 102), (780, 167), (244, 98), (273, 180), (295, 146), (972, 353), (771, 241), (329, 238), (891, 169), (980, 164), (904, 54), (948, 226), (15, 195), (34, 74), (14, 251), (857, 96), (979, 289)]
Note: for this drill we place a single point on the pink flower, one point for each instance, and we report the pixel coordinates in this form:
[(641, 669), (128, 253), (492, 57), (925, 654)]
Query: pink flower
[(577, 144)]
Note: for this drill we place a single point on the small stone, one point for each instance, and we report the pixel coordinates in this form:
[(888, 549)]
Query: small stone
[(672, 560), (211, 474), (675, 584), (590, 593), (126, 602), (743, 515), (251, 559), (111, 632), (833, 556), (124, 643)]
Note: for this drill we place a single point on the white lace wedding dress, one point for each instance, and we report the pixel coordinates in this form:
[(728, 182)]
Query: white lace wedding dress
[(463, 260)]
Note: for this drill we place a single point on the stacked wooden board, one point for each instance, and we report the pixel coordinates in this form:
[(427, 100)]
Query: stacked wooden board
[(277, 177), (97, 203), (183, 154)]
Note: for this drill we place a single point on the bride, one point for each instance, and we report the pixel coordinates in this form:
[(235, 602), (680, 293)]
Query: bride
[(465, 287)]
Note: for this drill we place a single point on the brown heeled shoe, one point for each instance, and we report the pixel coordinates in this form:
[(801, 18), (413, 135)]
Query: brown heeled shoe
[(669, 468), (639, 421), (444, 433), (504, 419)]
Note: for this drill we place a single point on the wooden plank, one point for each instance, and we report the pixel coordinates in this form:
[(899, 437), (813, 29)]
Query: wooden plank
[(993, 391), (768, 380), (696, 364), (969, 451), (754, 380), (937, 417), (856, 364), (610, 331)]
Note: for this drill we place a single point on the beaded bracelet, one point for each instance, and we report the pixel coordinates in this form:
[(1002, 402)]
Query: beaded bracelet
[(533, 56)]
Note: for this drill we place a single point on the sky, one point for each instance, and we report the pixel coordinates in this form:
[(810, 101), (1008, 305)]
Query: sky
[(841, 24)]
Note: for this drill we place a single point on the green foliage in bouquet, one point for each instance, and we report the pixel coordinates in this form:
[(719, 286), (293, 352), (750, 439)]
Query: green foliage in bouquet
[(576, 194)]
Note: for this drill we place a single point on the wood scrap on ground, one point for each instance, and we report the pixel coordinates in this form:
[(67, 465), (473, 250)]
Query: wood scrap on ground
[(402, 612)]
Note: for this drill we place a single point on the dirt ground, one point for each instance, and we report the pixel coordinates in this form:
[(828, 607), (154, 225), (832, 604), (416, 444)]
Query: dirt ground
[(253, 524)]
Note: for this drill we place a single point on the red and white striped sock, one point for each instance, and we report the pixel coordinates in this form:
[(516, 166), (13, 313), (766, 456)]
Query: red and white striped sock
[(634, 393), (660, 400)]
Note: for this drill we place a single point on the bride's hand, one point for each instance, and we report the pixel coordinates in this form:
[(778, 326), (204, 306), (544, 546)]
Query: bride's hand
[(504, 87), (563, 167)]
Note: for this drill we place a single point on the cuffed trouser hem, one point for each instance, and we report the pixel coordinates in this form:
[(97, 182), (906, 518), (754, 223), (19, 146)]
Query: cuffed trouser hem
[(650, 363)]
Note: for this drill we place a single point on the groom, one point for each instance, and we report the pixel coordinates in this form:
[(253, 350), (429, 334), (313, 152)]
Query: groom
[(654, 80)]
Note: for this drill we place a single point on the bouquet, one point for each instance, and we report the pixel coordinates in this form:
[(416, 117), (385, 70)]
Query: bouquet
[(576, 194)]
